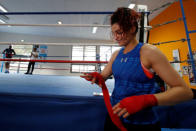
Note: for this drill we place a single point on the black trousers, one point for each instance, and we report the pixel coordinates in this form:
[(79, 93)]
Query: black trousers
[(29, 67), (110, 126)]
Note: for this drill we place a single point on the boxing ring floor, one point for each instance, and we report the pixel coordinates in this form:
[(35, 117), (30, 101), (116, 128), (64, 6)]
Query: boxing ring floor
[(55, 103)]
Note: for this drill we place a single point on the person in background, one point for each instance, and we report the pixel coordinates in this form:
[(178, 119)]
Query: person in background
[(8, 52), (135, 91), (34, 56)]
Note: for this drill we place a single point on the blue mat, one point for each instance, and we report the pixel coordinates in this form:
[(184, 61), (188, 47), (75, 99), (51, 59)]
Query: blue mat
[(49, 85), (48, 103), (172, 129)]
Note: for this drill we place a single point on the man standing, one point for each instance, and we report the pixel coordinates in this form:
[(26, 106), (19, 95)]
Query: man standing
[(9, 52), (34, 56)]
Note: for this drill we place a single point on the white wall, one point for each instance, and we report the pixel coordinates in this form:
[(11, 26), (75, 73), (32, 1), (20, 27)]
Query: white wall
[(12, 38)]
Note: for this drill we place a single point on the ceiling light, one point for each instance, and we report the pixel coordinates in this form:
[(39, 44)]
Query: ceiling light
[(142, 8), (2, 21), (59, 22), (2, 8), (94, 30), (22, 40), (131, 6)]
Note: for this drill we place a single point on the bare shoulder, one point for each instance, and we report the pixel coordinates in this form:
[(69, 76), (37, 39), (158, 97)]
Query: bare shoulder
[(151, 51)]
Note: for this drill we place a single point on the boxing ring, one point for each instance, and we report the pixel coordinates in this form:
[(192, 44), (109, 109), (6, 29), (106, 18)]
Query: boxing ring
[(41, 102), (38, 102), (50, 103)]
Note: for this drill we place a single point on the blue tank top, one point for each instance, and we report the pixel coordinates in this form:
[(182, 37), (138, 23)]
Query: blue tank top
[(131, 80)]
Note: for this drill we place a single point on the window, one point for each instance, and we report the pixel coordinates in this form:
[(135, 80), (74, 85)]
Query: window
[(106, 52), (83, 68), (83, 53), (90, 53), (22, 51), (77, 53)]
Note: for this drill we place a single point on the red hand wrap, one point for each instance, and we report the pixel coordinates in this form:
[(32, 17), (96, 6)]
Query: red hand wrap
[(98, 77), (134, 104), (115, 119)]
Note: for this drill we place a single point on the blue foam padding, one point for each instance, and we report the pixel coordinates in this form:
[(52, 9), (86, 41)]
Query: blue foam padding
[(49, 85), (173, 129), (48, 103)]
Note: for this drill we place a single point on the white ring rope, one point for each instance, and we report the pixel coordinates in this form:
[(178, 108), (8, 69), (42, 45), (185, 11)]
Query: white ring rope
[(66, 25), (59, 25), (46, 43)]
